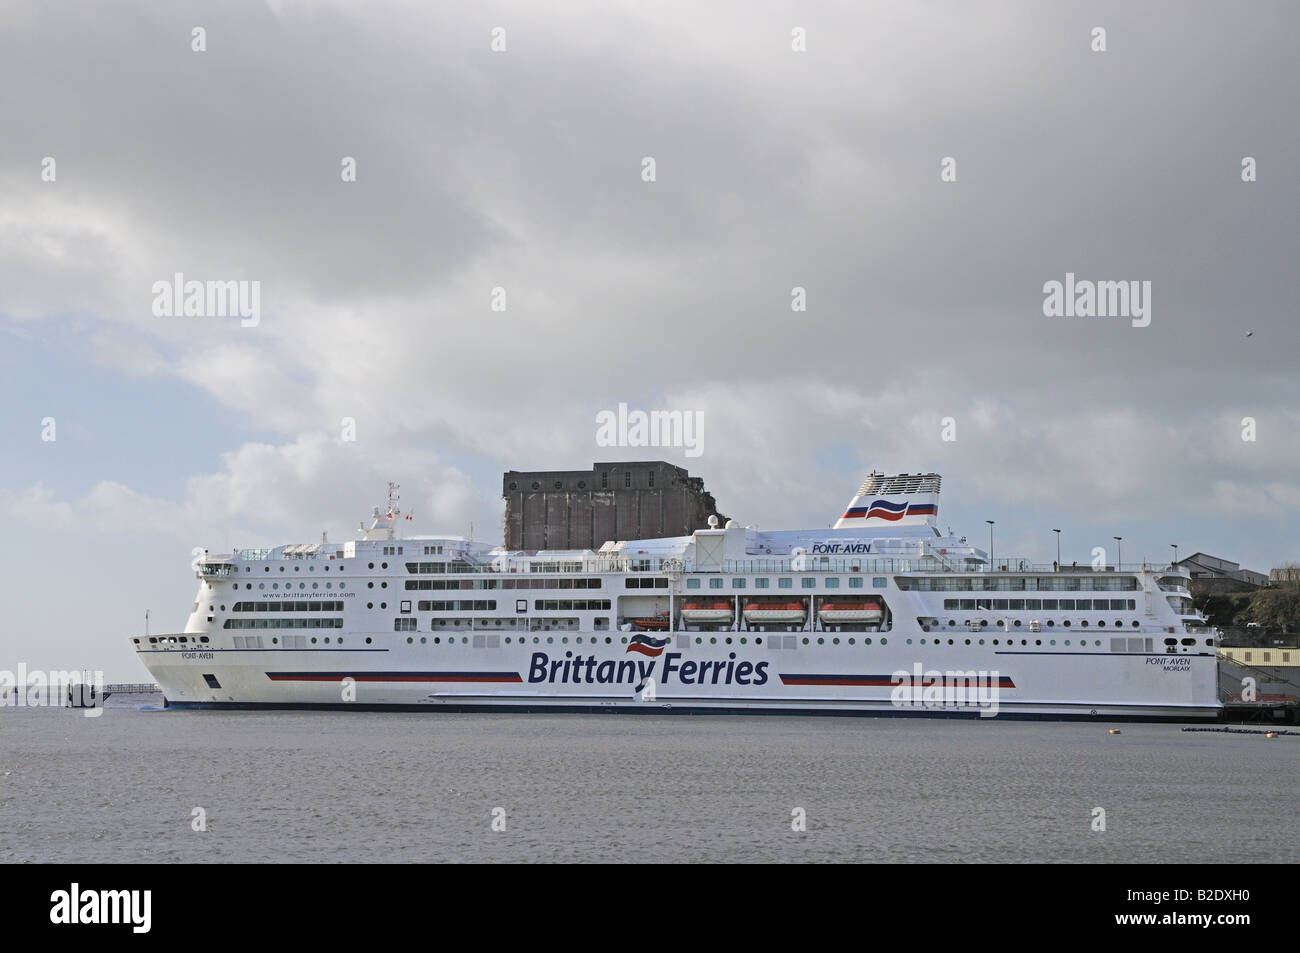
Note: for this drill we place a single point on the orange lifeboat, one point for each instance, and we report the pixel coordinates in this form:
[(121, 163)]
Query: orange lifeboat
[(659, 621), (782, 613), (710, 612), (866, 612)]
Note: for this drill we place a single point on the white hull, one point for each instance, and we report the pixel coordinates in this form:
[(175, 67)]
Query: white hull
[(1092, 683)]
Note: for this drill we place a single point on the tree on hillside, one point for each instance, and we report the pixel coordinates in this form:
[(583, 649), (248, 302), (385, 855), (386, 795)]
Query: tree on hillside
[(1277, 609)]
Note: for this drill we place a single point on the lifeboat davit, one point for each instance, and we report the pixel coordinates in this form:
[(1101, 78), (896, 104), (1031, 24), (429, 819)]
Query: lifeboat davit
[(775, 612), (861, 612), (720, 611)]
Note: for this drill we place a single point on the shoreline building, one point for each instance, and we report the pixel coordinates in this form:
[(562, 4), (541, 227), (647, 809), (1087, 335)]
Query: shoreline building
[(1211, 574), (584, 509)]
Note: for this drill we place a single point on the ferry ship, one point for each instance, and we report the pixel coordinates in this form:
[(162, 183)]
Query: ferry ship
[(881, 614)]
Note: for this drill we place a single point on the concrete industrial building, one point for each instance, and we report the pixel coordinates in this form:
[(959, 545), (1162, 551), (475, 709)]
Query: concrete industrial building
[(1210, 574), (583, 509), (1288, 575)]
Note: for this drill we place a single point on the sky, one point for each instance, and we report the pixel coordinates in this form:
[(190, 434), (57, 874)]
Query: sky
[(523, 169)]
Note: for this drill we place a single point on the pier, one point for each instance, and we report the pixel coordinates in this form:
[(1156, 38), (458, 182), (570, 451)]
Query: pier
[(1262, 710)]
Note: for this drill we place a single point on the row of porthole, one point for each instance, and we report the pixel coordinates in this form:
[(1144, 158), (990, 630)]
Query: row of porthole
[(309, 568), (564, 640), (1049, 623), (758, 641), (297, 568), (1082, 642), (289, 585)]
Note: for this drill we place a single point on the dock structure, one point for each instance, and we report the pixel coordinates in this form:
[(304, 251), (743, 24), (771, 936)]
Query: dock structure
[(1262, 710), (1258, 694), (87, 695)]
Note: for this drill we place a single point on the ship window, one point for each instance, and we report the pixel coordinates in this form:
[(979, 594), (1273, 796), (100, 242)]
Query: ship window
[(808, 582), (832, 582), (855, 582), (762, 582), (738, 583), (715, 583), (1135, 625), (785, 583), (627, 480), (211, 680), (879, 582), (650, 479), (604, 480)]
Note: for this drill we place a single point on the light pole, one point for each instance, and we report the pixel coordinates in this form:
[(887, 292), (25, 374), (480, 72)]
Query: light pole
[(990, 522), (1058, 548), (1119, 562)]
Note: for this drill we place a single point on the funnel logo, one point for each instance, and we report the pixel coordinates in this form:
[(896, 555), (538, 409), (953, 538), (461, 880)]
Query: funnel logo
[(647, 646), (889, 510)]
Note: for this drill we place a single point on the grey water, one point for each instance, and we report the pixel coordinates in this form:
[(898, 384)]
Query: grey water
[(365, 787)]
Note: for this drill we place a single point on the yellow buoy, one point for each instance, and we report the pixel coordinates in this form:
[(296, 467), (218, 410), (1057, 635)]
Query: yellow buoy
[(1270, 734)]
